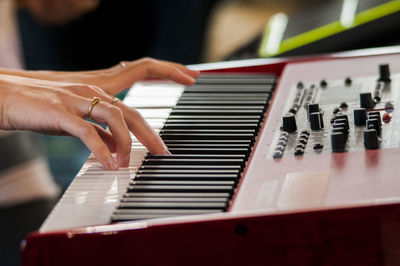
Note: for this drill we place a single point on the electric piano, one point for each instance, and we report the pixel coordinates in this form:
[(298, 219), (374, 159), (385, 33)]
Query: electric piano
[(275, 162)]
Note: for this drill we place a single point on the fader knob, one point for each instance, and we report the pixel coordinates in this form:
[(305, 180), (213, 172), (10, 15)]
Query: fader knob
[(338, 142), (342, 121), (374, 123), (366, 100), (312, 108), (371, 139), (360, 116), (384, 73), (316, 121), (289, 123)]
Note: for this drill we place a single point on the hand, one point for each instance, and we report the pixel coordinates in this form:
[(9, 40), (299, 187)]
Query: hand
[(53, 108), (104, 84), (117, 78)]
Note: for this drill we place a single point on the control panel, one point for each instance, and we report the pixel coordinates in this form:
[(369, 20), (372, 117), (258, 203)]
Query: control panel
[(339, 115)]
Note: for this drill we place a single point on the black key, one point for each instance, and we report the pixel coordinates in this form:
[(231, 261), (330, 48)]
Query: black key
[(219, 102), (120, 217), (238, 108), (218, 112), (161, 188), (196, 156), (194, 161), (237, 80), (173, 205), (193, 177), (194, 95), (170, 125), (209, 145), (215, 117), (223, 98), (180, 182), (188, 166), (208, 141), (209, 151), (209, 131), (177, 195), (210, 121), (231, 88), (176, 199), (205, 136), (188, 171)]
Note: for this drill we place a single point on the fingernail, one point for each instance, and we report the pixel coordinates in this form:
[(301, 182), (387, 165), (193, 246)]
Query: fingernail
[(112, 163), (167, 152)]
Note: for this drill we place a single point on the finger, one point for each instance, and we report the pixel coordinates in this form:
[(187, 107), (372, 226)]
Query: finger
[(143, 131), (184, 69), (170, 72), (87, 133), (106, 137), (111, 115)]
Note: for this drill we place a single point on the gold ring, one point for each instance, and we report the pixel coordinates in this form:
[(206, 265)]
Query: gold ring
[(95, 101), (122, 64), (114, 101)]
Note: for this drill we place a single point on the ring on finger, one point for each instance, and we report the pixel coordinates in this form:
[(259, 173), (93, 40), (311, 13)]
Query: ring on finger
[(122, 64), (114, 101), (95, 101)]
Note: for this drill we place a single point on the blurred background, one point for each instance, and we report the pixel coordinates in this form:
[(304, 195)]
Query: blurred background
[(188, 32)]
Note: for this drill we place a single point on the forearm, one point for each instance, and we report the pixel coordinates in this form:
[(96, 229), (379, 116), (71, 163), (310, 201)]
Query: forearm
[(71, 76)]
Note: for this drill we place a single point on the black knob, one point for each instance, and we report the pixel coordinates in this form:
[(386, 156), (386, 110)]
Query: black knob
[(312, 108), (342, 116), (360, 116), (338, 142), (341, 125), (348, 81), (366, 100), (375, 115), (371, 139), (289, 123), (342, 121), (384, 73), (316, 121), (374, 124)]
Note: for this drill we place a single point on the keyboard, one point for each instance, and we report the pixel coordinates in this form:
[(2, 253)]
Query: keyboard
[(303, 174)]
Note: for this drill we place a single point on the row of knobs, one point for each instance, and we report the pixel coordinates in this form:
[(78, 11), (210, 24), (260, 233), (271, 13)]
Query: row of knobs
[(314, 116), (341, 127), (371, 120)]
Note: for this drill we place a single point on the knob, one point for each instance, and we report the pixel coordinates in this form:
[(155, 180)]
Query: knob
[(312, 108), (371, 139), (316, 121), (342, 121), (360, 116), (342, 116), (366, 100), (338, 142), (374, 124), (375, 115), (289, 123), (384, 73), (341, 125)]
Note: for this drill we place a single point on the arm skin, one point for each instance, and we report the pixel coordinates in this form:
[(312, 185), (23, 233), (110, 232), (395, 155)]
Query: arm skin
[(56, 103)]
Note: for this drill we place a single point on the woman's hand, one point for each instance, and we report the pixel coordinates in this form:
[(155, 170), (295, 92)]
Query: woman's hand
[(54, 102), (119, 77), (58, 108)]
